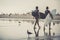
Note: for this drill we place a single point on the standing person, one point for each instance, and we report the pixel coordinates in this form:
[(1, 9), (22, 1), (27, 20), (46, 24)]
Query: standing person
[(47, 11), (35, 13), (36, 17)]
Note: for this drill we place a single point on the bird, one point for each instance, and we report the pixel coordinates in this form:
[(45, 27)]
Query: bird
[(29, 33)]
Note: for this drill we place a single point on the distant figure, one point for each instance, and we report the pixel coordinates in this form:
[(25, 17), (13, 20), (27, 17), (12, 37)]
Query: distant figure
[(36, 15), (28, 33), (19, 22)]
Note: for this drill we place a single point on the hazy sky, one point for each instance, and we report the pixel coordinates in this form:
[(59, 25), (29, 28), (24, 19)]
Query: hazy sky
[(23, 6)]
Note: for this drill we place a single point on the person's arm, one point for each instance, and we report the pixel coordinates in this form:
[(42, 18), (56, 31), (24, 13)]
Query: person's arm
[(51, 15)]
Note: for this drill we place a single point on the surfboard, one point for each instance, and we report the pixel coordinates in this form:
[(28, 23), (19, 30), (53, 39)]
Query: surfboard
[(48, 18)]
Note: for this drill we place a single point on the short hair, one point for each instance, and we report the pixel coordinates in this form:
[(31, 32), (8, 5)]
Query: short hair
[(36, 7), (47, 7)]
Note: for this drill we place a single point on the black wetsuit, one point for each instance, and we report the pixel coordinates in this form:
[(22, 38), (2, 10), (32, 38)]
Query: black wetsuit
[(46, 12), (36, 14), (42, 15)]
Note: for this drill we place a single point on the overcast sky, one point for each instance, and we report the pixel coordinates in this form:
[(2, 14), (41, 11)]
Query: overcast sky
[(24, 6)]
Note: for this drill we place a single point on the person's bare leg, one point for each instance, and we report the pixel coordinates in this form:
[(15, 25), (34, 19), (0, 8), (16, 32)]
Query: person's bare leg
[(44, 30), (38, 23), (35, 32), (35, 25)]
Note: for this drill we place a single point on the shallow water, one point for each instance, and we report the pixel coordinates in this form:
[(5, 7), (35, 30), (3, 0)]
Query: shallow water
[(18, 29)]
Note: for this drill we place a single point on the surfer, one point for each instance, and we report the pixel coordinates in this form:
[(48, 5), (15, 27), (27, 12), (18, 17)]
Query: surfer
[(36, 15)]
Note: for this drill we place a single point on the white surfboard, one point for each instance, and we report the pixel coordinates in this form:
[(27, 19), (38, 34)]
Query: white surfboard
[(48, 18)]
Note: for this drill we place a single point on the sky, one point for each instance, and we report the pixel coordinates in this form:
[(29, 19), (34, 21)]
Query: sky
[(24, 6)]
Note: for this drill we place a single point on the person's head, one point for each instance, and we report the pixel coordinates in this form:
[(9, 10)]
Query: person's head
[(47, 7), (36, 7)]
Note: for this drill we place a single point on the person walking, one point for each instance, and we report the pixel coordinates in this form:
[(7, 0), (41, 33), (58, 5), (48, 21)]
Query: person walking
[(36, 15)]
